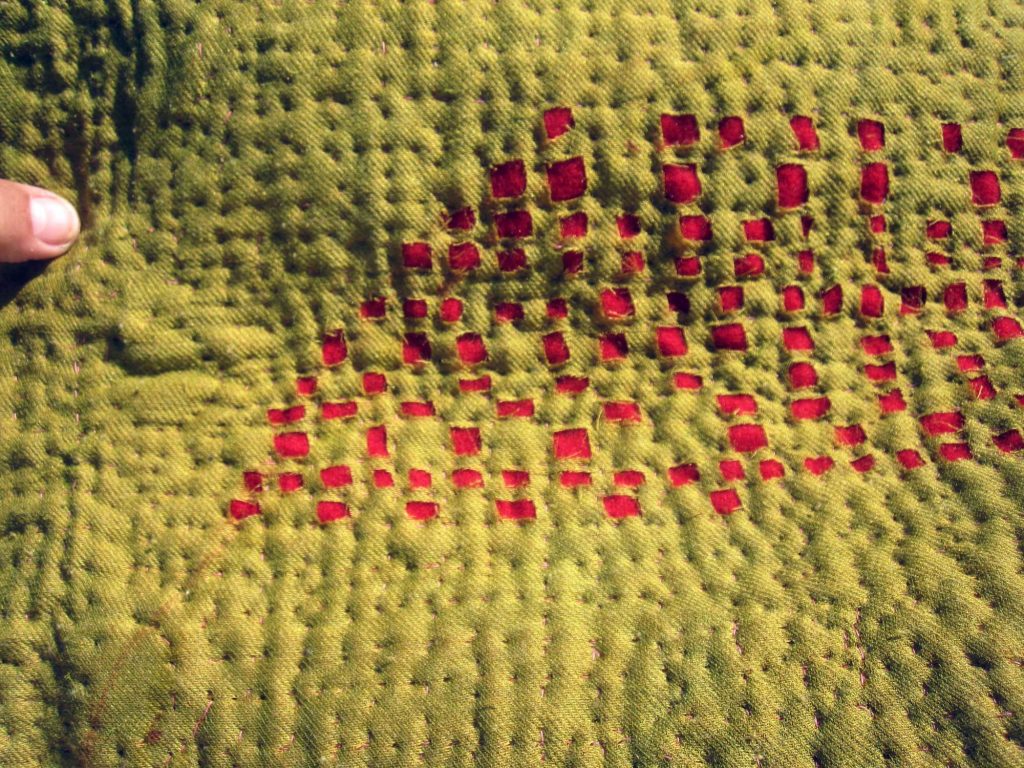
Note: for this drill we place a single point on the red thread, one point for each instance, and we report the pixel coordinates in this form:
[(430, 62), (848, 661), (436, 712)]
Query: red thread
[(734, 405), (329, 511), (874, 183), (892, 402), (471, 349), (985, 189), (508, 179), (802, 375), (377, 441), (730, 298), (952, 139), (747, 438), (1006, 328), (415, 348), (629, 478), (573, 226), (286, 415), (508, 312), (732, 470), (382, 478), (758, 230), (938, 230), (863, 464), (955, 297), (572, 262), (512, 260), (804, 132), (555, 348), (291, 445), (982, 388), (373, 309), (465, 441), (687, 381), (682, 185), (622, 411), (942, 422), (415, 409), (810, 408), (334, 348), (463, 257), (912, 299), (851, 435), (679, 130), (751, 265), (871, 134), (305, 385), (955, 451), (729, 337), (671, 341), (725, 501), (289, 482), (771, 469), (374, 383), (632, 263), (574, 479), (872, 303), (613, 346), (909, 458), (239, 509), (336, 477), (463, 219), (419, 479), (571, 385), (416, 256), (876, 345), (797, 339), (792, 185), (1010, 441), (253, 481), (792, 298), (514, 224), (617, 303), (514, 409), (414, 309), (731, 132), (571, 444), (818, 465), (467, 478), (884, 372), (421, 510), (695, 228), (683, 474), (558, 121), (567, 179), (628, 225), (993, 232), (618, 507), (557, 309), (1015, 143), (515, 478), (518, 509), (993, 294), (688, 266), (451, 310)]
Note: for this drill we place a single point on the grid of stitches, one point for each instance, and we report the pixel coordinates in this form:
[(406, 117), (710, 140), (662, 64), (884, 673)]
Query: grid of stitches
[(506, 247)]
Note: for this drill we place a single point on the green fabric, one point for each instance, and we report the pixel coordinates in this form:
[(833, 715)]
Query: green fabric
[(248, 173)]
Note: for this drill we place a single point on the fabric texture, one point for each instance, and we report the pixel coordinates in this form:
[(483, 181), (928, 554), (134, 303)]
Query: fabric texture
[(591, 383)]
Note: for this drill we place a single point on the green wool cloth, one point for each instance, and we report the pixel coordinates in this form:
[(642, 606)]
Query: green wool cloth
[(579, 383)]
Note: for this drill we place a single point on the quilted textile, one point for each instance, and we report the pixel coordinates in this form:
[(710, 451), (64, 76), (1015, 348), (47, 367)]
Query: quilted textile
[(590, 383)]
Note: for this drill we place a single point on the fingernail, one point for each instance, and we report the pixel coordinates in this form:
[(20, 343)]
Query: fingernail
[(54, 220)]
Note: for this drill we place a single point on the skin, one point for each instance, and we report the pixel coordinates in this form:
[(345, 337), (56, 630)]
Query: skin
[(34, 223)]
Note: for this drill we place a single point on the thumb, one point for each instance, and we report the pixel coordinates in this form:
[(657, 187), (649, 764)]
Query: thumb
[(34, 223)]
